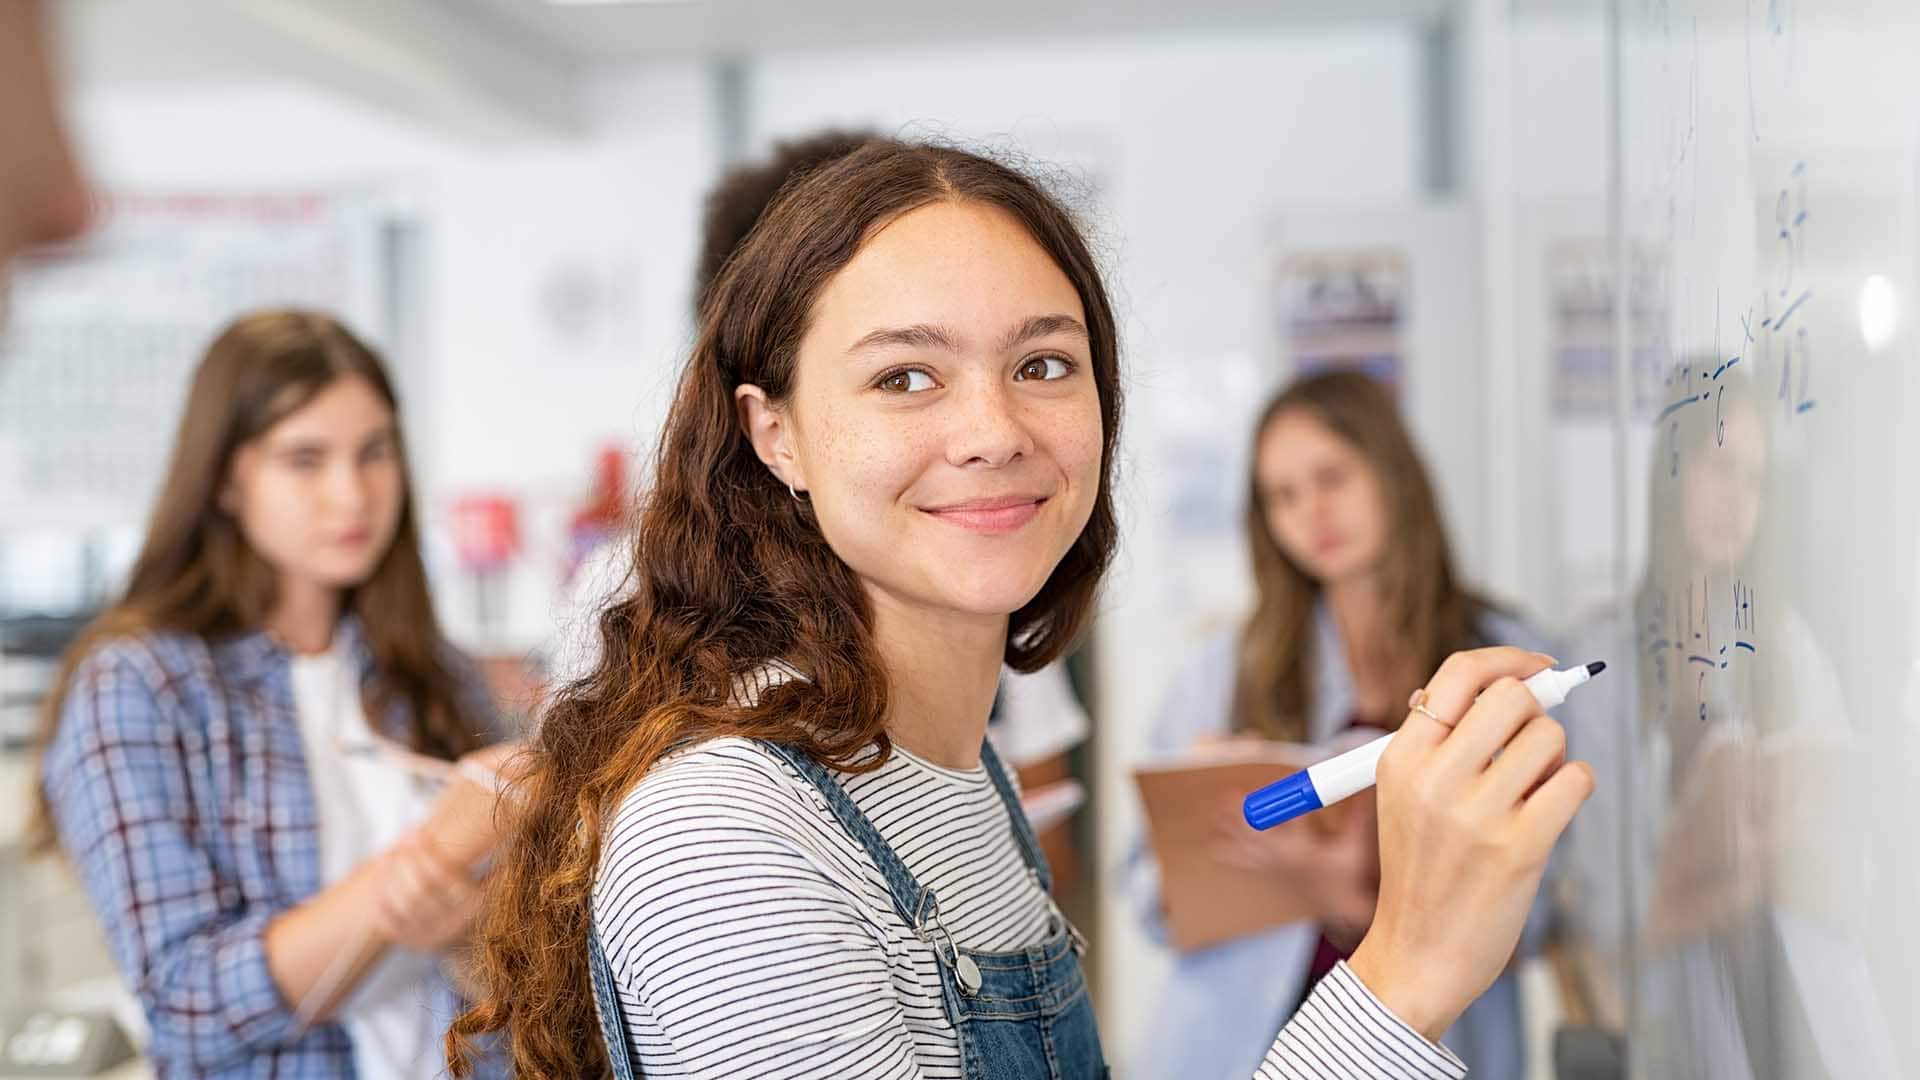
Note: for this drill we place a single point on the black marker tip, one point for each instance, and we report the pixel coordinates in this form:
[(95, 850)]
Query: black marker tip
[(1596, 668)]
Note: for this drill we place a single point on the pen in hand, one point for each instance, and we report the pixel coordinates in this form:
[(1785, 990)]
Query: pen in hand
[(1347, 774)]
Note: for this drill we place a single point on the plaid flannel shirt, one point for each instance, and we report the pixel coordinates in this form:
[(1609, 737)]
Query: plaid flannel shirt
[(179, 788)]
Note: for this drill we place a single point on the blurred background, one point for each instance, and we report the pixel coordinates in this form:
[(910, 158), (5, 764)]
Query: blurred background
[(504, 197)]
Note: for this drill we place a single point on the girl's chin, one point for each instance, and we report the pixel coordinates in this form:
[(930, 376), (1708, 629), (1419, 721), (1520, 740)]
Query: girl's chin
[(984, 603)]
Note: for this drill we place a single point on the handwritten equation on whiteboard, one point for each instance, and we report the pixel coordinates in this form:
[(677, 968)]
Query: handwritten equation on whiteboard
[(1681, 632), (1772, 334)]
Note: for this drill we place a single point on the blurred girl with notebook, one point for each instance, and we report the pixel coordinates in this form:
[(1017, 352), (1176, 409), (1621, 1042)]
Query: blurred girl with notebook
[(1357, 597), (271, 771)]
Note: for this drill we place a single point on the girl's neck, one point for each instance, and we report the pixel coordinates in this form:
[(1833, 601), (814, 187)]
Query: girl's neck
[(942, 671), (1359, 618), (304, 615), (1356, 608)]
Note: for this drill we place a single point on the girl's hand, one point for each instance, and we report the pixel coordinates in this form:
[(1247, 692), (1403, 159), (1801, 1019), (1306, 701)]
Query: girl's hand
[(1332, 857), (1464, 837), (422, 903), (464, 823)]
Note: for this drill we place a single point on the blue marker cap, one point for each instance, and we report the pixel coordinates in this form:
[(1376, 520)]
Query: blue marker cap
[(1281, 801)]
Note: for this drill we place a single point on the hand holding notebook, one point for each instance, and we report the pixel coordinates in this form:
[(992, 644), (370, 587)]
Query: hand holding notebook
[(1220, 880)]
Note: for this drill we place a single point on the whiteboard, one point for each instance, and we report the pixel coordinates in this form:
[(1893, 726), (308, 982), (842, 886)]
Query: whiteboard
[(1761, 910), (102, 338)]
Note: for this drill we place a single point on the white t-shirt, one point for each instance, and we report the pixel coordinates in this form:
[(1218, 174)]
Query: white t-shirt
[(574, 648), (365, 801), (1038, 716)]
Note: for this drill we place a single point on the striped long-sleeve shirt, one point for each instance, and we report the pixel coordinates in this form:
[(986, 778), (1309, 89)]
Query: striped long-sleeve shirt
[(751, 936)]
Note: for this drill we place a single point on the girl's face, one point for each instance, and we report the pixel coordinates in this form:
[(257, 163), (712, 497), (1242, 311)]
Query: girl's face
[(319, 494), (944, 421), (1322, 499), (1721, 488)]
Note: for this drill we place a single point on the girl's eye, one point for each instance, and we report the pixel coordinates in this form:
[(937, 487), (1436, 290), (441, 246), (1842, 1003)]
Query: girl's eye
[(304, 461), (1046, 368), (906, 381)]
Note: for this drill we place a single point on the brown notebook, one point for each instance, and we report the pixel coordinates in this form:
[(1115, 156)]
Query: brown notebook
[(1192, 803)]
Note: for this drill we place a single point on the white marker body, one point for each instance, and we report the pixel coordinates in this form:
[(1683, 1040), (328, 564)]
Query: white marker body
[(1348, 774), (1354, 771)]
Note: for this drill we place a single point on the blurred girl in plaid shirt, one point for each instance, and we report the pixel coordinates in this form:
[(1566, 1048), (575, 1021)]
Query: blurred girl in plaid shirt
[(270, 769)]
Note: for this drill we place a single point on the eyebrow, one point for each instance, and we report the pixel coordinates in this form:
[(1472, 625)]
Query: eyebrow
[(300, 444), (918, 336), (318, 444), (1041, 326), (934, 336)]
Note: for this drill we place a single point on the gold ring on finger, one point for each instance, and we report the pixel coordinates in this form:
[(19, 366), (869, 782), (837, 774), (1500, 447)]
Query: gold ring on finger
[(1418, 703)]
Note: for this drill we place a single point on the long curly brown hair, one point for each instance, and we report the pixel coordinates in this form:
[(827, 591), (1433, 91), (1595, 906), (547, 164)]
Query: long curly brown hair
[(730, 573)]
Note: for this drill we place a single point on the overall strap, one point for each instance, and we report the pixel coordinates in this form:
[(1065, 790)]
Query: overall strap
[(1022, 828), (613, 1027)]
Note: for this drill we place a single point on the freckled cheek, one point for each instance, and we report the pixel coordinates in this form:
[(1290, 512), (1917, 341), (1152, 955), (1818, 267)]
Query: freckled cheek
[(1076, 445), (872, 458)]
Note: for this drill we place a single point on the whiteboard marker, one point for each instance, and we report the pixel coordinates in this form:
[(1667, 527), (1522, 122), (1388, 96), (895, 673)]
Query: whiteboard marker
[(1352, 772)]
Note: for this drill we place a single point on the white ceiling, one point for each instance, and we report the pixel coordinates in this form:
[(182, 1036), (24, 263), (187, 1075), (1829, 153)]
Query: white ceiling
[(705, 27), (514, 68)]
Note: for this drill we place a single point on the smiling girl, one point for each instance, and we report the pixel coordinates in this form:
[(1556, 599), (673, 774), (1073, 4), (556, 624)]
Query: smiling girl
[(766, 837)]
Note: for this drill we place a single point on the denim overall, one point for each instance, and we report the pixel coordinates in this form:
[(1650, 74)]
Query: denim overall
[(1021, 1015)]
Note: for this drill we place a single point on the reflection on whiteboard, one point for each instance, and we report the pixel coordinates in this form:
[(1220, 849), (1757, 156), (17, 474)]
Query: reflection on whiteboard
[(1763, 783)]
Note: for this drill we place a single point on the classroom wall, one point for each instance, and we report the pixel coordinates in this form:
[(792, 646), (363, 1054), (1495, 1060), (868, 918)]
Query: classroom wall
[(602, 231), (558, 296)]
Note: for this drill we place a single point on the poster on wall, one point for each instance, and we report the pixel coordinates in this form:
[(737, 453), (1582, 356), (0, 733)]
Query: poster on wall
[(104, 336), (1346, 311), (1580, 290), (1580, 322)]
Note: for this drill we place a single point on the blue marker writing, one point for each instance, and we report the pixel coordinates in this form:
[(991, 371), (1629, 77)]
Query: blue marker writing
[(1353, 772)]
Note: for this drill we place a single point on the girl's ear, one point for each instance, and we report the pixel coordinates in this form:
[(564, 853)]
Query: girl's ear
[(770, 429)]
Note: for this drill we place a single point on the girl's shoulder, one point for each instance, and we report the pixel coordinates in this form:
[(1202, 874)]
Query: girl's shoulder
[(157, 658), (722, 782), (730, 803), (730, 758), (132, 686)]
